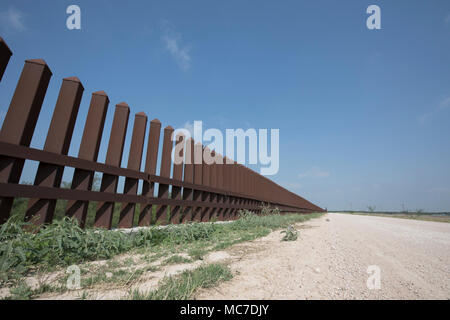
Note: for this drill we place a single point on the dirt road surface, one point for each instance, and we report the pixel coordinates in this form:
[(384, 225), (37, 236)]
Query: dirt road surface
[(331, 257)]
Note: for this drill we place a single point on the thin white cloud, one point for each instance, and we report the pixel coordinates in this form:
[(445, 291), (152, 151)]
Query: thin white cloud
[(443, 105), (172, 42), (315, 172), (291, 185), (12, 20)]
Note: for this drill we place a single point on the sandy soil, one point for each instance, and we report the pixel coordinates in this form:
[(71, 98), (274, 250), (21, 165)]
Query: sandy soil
[(330, 260)]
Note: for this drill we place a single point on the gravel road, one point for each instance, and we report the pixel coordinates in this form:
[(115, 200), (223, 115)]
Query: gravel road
[(330, 260)]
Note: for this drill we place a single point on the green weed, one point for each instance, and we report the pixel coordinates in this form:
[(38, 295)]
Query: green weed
[(290, 234), (183, 286)]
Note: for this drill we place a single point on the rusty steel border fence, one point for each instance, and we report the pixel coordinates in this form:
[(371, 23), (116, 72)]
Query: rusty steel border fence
[(195, 192)]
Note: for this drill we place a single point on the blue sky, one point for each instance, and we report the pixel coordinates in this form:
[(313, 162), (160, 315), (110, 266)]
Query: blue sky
[(363, 114)]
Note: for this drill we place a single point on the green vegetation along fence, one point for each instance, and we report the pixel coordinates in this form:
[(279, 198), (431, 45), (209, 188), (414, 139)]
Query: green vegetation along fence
[(196, 191)]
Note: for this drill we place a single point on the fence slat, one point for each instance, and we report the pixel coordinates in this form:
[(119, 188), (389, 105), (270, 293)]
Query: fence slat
[(175, 211), (105, 210), (188, 177), (5, 55), (20, 122), (89, 147), (134, 163), (163, 189), (226, 187), (206, 175), (213, 183), (219, 185), (234, 199), (150, 168), (198, 173), (235, 176), (58, 141)]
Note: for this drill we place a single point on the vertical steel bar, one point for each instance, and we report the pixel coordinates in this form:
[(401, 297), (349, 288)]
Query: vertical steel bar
[(226, 187), (20, 122), (151, 161), (206, 175), (175, 211), (236, 188), (246, 186), (5, 55), (219, 185), (58, 140), (89, 147), (198, 180), (163, 189), (105, 210), (213, 183), (231, 173), (134, 163), (230, 188), (188, 177)]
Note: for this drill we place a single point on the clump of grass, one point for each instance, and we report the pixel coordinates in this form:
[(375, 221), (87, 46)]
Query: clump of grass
[(192, 231), (197, 253), (248, 219), (184, 286), (266, 210), (61, 243), (21, 292), (117, 277), (177, 259), (290, 234)]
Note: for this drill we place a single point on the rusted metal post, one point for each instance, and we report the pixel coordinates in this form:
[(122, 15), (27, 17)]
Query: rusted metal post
[(198, 179), (235, 188), (5, 55), (213, 183), (246, 185), (89, 147), (151, 161), (240, 184), (163, 189), (219, 185), (231, 198), (134, 163), (20, 122), (58, 140), (226, 187), (189, 178), (248, 188), (105, 210), (175, 211), (243, 184), (206, 174)]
